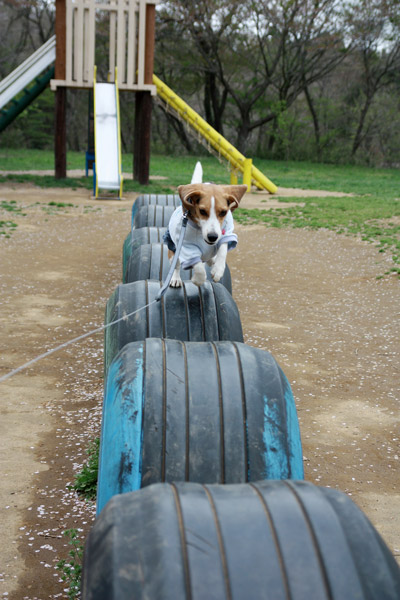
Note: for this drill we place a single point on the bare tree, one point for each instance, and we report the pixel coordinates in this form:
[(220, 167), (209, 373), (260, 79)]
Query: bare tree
[(259, 55), (374, 25), (25, 25)]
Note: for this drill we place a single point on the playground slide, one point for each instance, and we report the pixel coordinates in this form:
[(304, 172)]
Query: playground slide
[(108, 174), (213, 138), (23, 75)]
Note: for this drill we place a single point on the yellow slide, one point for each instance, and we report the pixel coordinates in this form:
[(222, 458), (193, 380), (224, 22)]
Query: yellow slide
[(237, 161)]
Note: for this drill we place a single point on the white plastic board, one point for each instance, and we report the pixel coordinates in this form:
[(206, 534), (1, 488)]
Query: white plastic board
[(107, 151)]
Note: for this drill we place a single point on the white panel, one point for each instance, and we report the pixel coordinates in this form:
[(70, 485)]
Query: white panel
[(78, 43), (25, 73), (132, 37), (121, 41), (107, 156), (141, 41), (69, 41)]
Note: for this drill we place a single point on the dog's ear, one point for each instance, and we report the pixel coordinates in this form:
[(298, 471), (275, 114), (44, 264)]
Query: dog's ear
[(190, 195), (234, 194)]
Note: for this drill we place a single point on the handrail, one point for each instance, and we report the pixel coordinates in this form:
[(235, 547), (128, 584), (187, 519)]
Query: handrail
[(216, 140), (26, 72)]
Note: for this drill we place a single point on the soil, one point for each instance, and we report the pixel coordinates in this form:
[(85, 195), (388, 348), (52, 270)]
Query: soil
[(312, 298)]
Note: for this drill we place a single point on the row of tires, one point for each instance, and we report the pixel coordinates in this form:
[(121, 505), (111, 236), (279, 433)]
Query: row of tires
[(200, 489)]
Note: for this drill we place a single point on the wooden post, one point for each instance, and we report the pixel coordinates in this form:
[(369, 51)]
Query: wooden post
[(60, 140), (143, 107), (141, 143)]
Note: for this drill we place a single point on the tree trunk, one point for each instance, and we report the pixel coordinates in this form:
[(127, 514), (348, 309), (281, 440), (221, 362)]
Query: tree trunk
[(358, 135), (213, 105), (315, 121)]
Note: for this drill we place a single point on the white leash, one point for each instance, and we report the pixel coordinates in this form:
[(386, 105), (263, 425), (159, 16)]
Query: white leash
[(176, 256), (69, 342), (103, 327)]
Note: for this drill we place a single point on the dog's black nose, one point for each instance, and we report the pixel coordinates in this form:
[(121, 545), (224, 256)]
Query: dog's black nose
[(212, 238)]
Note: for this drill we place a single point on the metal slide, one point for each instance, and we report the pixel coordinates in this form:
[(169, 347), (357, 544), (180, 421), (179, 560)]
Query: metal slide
[(214, 139), (107, 138), (29, 72)]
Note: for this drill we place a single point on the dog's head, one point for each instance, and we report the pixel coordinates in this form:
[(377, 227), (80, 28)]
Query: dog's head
[(208, 205)]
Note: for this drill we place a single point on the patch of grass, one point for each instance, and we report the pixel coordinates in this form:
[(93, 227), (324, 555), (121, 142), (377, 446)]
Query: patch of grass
[(11, 206), (86, 481), (47, 181), (60, 204), (7, 227), (71, 568), (22, 159), (52, 207), (349, 179), (370, 217)]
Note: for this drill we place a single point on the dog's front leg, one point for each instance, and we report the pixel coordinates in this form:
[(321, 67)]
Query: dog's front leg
[(218, 268), (176, 280), (199, 274)]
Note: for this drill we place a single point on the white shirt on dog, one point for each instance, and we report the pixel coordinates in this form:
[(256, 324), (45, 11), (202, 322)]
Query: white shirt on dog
[(194, 248)]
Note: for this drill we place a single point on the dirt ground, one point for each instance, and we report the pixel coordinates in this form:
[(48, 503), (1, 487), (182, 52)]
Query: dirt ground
[(311, 298)]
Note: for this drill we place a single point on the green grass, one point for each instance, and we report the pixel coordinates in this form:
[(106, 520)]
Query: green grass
[(178, 170), (374, 219), (71, 568), (86, 480), (373, 213), (8, 226)]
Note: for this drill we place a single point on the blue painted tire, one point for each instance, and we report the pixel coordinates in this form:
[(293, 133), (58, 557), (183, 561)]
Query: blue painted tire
[(150, 261), (155, 199), (137, 237), (190, 313), (152, 216), (218, 412), (271, 540)]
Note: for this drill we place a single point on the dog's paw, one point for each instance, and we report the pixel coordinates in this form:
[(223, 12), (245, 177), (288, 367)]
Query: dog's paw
[(176, 282), (199, 274), (217, 272)]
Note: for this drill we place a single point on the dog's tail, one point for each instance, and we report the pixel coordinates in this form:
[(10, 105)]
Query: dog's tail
[(197, 176)]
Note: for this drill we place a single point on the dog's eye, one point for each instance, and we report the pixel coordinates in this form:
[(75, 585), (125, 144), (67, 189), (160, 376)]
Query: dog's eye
[(203, 212), (223, 213)]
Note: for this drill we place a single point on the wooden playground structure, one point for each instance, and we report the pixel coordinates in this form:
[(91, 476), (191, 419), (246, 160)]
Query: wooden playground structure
[(118, 36), (131, 28)]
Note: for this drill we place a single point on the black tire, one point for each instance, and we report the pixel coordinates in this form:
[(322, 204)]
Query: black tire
[(150, 261), (137, 237), (152, 216), (189, 313), (272, 540), (220, 412), (155, 199)]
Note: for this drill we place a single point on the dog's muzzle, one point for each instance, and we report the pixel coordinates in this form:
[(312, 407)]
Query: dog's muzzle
[(211, 238)]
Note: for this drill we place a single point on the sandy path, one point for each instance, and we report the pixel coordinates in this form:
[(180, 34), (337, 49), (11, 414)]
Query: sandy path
[(311, 298)]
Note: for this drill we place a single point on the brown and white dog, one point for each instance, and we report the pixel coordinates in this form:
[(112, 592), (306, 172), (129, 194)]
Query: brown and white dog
[(209, 233)]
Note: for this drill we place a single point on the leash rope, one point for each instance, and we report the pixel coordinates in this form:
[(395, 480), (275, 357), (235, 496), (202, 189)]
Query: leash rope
[(104, 327), (70, 342), (175, 259)]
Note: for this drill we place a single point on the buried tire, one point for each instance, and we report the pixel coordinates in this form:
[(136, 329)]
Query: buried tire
[(218, 412), (269, 540), (150, 261), (155, 200), (189, 313), (152, 216), (137, 237)]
